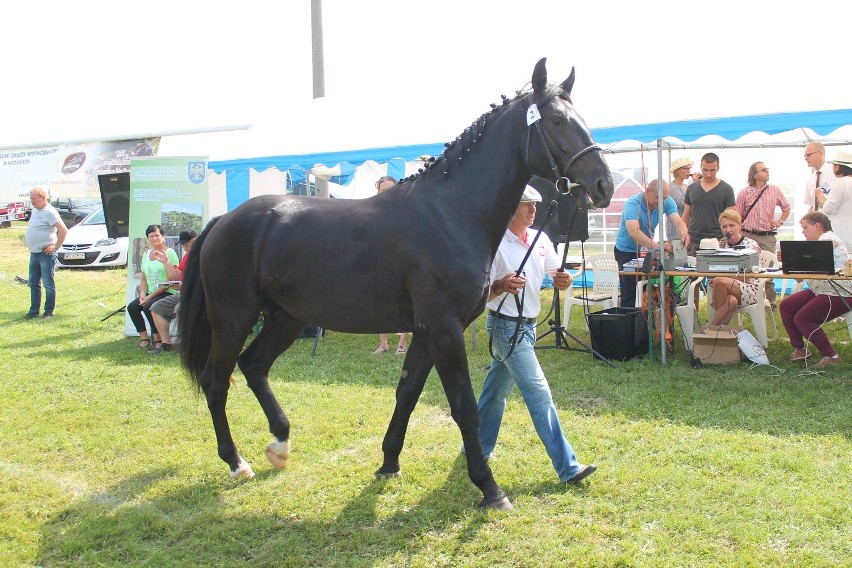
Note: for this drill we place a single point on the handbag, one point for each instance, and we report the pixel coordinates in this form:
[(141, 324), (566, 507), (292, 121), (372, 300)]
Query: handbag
[(651, 262)]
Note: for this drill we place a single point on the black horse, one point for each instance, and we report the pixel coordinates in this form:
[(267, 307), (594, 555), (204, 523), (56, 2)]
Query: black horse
[(324, 261)]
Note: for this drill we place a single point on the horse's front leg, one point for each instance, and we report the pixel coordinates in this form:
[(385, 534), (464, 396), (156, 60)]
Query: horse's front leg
[(415, 369), (216, 393), (452, 366), (278, 333)]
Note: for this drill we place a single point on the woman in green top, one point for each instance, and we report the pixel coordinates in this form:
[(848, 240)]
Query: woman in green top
[(153, 272)]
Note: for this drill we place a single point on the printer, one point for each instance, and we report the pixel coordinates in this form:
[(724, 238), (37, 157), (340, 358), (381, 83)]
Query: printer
[(711, 258)]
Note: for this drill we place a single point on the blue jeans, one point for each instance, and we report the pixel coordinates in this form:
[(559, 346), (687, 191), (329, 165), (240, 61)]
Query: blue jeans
[(42, 267), (522, 368)]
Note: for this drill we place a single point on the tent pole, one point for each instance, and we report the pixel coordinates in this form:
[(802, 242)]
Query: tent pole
[(662, 224)]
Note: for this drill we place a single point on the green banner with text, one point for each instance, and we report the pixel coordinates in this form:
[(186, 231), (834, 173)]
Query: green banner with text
[(170, 192)]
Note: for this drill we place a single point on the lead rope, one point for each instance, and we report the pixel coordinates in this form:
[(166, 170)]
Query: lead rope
[(519, 302)]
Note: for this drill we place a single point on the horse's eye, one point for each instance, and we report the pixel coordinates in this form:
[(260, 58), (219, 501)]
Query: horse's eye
[(558, 119)]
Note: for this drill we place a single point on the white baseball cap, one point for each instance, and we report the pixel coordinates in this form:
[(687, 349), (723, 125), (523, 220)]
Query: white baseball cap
[(530, 194)]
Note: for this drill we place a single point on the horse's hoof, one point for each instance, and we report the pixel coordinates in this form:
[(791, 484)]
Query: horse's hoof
[(243, 470), (500, 504), (388, 474), (278, 453)]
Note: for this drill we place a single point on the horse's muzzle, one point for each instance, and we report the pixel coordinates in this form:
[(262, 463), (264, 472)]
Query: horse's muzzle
[(581, 193)]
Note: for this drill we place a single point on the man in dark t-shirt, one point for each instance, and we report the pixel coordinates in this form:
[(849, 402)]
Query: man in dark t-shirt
[(704, 201)]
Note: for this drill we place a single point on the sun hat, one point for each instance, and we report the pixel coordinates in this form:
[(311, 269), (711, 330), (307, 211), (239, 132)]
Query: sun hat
[(679, 163), (530, 194), (708, 244), (186, 236), (842, 158)]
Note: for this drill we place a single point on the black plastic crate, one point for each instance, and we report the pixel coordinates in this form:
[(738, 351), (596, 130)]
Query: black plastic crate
[(619, 333)]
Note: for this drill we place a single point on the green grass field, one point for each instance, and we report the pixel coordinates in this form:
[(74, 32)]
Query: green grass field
[(109, 456)]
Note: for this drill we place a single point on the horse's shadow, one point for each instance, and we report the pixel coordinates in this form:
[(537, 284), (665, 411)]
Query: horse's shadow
[(122, 525)]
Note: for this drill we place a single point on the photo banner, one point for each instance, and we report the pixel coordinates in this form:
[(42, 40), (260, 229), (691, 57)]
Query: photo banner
[(67, 170), (171, 192)]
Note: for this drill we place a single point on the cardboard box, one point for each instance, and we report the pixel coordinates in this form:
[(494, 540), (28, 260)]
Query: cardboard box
[(717, 345)]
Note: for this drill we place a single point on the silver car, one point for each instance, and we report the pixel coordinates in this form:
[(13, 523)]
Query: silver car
[(87, 245)]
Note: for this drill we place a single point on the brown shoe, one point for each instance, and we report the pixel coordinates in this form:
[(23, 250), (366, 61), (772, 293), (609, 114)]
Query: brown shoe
[(800, 354), (827, 362)]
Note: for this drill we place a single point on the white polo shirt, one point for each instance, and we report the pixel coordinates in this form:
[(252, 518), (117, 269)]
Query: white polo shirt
[(510, 253)]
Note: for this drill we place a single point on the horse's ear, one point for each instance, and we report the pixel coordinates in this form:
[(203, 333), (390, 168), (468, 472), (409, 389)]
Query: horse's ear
[(539, 78), (568, 84)]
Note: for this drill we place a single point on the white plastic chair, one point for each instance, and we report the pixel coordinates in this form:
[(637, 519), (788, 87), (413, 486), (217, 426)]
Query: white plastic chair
[(687, 313), (769, 260), (604, 289), (847, 317), (793, 285)]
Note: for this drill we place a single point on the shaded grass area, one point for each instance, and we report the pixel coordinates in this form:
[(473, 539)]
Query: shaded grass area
[(110, 457)]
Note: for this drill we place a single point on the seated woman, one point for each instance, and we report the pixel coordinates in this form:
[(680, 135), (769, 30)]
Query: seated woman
[(153, 272), (730, 293), (803, 313)]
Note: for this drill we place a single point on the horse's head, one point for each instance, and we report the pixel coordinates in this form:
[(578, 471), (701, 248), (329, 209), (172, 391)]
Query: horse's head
[(560, 146)]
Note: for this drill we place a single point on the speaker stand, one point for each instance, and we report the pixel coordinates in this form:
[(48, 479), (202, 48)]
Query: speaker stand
[(556, 328)]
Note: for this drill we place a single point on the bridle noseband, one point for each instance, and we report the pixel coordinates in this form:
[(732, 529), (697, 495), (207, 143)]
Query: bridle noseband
[(563, 183)]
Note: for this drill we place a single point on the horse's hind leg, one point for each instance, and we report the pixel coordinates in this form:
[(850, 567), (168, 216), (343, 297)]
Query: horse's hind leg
[(415, 369), (278, 333)]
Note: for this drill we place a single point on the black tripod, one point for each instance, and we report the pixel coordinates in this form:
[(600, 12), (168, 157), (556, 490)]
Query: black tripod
[(115, 313), (556, 328)]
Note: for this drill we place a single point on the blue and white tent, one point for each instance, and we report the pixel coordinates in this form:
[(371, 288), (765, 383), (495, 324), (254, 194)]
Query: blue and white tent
[(352, 173)]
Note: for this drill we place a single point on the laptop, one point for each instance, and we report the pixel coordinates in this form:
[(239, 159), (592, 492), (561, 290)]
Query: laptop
[(807, 257)]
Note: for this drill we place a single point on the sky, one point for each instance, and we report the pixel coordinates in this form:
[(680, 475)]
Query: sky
[(397, 72)]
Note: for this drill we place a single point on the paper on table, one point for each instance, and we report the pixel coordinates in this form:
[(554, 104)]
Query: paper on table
[(735, 252)]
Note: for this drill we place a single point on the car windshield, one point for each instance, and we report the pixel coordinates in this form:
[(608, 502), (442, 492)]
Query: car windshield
[(95, 218)]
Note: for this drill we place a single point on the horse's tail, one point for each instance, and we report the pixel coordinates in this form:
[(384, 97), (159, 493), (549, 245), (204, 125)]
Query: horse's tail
[(194, 327)]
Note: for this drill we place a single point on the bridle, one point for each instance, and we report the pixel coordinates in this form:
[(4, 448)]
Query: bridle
[(563, 183), (564, 186)]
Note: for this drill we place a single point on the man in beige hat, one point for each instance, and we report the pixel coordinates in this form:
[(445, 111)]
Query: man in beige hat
[(680, 170), (837, 203), (821, 176)]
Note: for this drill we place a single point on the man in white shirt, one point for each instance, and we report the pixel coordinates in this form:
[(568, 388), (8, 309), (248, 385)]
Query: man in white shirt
[(44, 235), (837, 203), (822, 176), (504, 323)]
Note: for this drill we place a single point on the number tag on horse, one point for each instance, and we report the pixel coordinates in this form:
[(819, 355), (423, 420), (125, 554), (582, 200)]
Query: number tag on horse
[(533, 114)]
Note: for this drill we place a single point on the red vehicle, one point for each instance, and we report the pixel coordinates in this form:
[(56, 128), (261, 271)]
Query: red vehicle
[(11, 212)]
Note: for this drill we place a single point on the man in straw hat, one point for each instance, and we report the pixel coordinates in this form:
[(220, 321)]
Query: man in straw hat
[(521, 367), (837, 204), (681, 171)]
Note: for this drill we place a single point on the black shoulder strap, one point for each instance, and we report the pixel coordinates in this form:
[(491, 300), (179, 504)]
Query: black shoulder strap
[(759, 195)]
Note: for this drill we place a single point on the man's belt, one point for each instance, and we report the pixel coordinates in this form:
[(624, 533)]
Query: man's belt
[(494, 314), (760, 233)]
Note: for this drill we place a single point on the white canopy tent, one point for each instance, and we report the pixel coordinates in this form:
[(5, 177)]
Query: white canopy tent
[(353, 172)]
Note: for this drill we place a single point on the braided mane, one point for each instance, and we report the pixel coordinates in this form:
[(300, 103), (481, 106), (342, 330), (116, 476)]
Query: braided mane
[(463, 144)]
